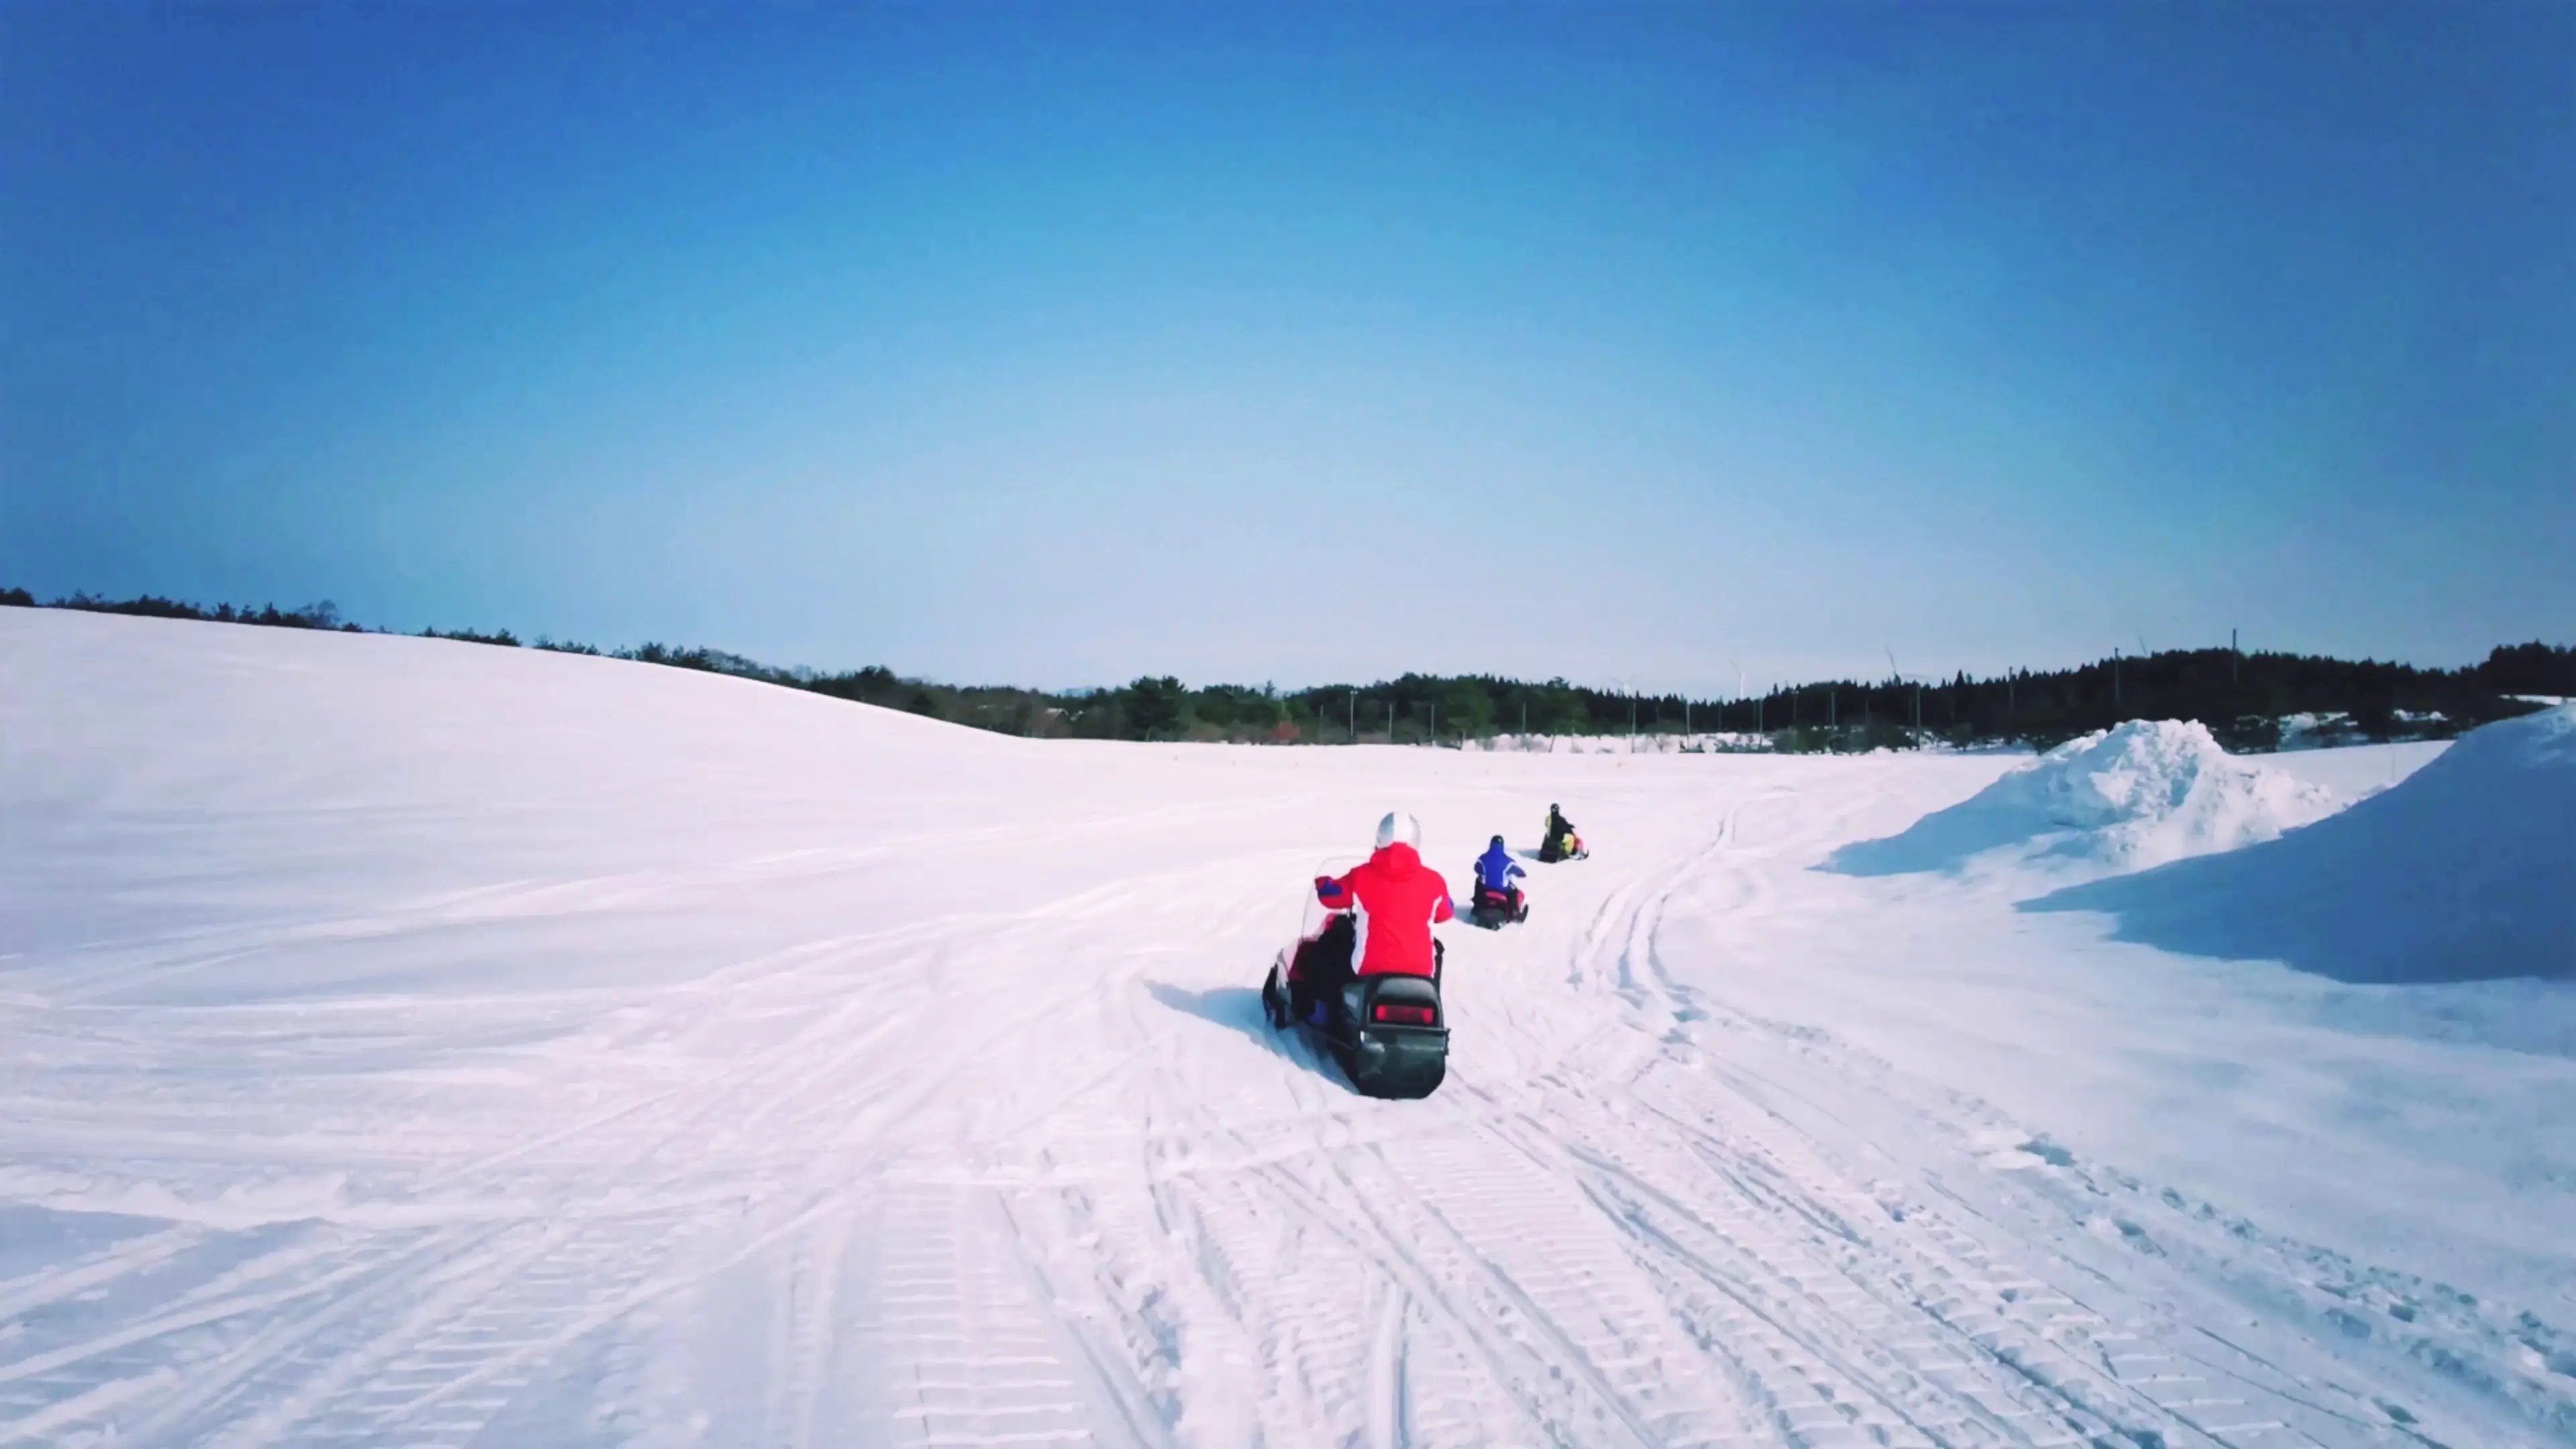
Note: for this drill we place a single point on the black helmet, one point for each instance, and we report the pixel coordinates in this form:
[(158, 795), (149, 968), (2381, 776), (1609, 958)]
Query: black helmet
[(1498, 840)]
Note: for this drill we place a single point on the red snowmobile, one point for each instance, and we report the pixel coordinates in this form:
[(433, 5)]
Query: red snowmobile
[(1494, 910)]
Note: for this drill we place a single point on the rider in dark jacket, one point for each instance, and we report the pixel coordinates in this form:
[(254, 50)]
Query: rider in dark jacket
[(1554, 845)]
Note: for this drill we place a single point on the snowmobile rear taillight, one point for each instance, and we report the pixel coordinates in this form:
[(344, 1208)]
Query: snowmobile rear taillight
[(1402, 1015)]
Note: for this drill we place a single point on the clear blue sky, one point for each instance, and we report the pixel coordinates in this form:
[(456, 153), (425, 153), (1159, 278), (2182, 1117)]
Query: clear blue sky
[(1055, 345)]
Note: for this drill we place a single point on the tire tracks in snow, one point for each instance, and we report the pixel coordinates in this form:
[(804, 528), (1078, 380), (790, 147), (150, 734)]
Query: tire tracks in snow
[(980, 1179), (2022, 1386), (489, 1300)]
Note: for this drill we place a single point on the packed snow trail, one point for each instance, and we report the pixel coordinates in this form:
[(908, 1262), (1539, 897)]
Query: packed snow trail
[(415, 1042)]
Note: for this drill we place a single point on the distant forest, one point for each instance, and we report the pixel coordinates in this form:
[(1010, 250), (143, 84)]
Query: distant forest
[(2244, 698)]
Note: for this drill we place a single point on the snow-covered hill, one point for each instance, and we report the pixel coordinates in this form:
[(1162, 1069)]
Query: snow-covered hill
[(413, 1042)]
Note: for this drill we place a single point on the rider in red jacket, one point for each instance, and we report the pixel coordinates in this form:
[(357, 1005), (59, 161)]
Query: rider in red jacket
[(1394, 901)]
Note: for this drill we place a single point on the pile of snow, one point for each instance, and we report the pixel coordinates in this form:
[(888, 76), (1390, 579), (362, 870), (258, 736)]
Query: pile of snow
[(2464, 872), (2153, 791), (2140, 795), (2313, 730)]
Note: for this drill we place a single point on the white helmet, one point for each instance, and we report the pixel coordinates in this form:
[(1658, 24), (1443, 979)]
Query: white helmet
[(1399, 825)]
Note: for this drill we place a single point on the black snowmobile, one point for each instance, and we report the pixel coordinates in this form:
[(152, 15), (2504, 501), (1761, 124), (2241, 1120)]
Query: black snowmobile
[(1558, 840), (1389, 1033)]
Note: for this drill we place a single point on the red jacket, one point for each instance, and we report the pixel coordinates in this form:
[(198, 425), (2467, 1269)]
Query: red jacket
[(1395, 900)]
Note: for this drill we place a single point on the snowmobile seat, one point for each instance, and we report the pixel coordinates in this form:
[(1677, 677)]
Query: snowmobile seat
[(1400, 1001)]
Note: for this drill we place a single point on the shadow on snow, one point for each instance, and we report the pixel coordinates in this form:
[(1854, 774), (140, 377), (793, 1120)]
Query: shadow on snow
[(1944, 840), (2312, 902), (1238, 1008)]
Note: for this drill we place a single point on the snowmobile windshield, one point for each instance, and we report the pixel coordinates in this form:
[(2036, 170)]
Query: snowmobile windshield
[(1310, 922)]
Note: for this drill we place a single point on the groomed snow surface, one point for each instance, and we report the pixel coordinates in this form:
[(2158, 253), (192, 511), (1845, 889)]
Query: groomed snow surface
[(414, 1042)]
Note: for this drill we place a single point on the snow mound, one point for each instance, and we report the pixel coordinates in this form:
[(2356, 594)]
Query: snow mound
[(2466, 871), (2140, 795), (2153, 791)]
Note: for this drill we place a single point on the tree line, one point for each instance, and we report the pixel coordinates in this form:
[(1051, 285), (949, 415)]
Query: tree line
[(2242, 697)]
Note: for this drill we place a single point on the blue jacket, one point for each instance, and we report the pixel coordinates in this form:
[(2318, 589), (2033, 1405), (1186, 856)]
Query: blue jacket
[(1495, 869)]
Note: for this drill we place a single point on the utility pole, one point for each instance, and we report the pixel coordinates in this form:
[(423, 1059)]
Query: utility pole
[(1355, 716), (1898, 675)]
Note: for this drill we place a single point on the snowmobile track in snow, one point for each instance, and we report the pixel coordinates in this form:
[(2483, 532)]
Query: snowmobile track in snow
[(969, 1136), (1603, 1231)]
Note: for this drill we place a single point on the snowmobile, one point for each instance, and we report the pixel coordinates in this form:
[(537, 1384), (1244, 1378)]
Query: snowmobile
[(1568, 846), (1494, 910), (1389, 1033)]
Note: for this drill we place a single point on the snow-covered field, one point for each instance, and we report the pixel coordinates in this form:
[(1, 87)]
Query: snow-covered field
[(420, 1043)]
